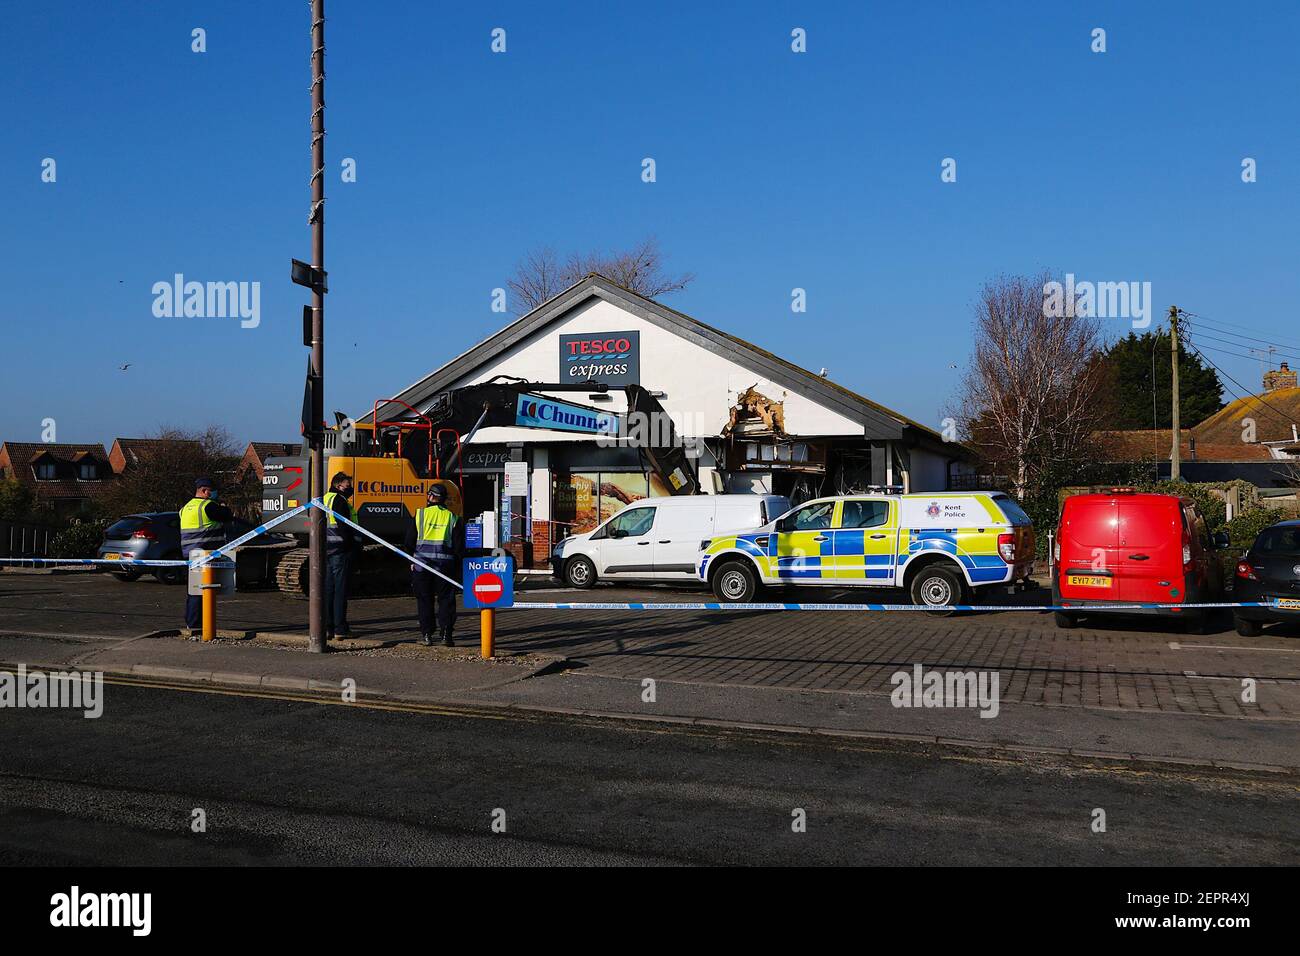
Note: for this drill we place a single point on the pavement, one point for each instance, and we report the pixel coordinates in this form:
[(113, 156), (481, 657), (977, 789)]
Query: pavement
[(1102, 691)]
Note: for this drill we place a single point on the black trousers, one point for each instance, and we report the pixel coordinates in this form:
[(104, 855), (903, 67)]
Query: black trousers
[(338, 568), (193, 611), (435, 601)]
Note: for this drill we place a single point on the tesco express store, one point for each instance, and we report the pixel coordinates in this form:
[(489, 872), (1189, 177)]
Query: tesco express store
[(762, 424)]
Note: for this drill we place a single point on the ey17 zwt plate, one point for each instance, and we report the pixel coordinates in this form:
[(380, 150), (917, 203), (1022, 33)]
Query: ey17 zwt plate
[(1087, 580)]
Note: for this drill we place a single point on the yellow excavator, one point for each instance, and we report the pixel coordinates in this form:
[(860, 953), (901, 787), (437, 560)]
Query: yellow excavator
[(399, 452)]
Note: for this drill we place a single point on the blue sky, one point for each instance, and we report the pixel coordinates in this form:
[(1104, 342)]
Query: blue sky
[(775, 171)]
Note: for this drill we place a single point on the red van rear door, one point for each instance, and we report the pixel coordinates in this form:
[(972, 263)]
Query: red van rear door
[(1150, 563), (1089, 548)]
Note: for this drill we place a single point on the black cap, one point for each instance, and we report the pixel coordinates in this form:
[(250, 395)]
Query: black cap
[(204, 482), (437, 491)]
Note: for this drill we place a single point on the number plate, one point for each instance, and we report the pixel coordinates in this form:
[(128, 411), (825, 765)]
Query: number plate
[(112, 557), (1087, 580), (1291, 604)]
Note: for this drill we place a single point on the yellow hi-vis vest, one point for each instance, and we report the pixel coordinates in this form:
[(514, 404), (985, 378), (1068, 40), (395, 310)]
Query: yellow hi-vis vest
[(433, 534), (334, 540), (198, 530)]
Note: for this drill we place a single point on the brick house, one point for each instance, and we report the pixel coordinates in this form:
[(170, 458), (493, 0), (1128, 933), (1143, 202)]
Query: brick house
[(257, 452), (66, 477), (1255, 438), (127, 452)]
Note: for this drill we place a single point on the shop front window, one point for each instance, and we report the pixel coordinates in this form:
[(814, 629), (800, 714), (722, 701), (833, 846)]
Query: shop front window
[(582, 500)]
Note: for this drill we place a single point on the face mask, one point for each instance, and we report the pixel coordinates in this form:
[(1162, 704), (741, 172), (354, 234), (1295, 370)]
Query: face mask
[(346, 492), (212, 495)]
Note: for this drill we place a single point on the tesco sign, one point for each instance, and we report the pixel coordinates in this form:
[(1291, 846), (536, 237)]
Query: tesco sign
[(613, 358)]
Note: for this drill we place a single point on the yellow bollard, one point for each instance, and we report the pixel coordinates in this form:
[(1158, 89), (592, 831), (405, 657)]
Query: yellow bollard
[(209, 585), (487, 631)]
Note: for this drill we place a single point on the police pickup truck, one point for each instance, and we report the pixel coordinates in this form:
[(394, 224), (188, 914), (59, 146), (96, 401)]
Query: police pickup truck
[(941, 547)]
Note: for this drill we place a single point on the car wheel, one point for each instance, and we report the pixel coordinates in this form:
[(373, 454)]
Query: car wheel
[(172, 575), (1246, 627), (735, 583), (579, 572), (128, 576), (937, 586), (1065, 619)]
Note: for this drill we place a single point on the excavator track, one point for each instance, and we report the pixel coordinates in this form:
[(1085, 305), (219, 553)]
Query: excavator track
[(380, 572), (292, 572)]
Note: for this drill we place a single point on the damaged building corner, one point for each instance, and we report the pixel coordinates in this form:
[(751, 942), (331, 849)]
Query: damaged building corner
[(756, 415)]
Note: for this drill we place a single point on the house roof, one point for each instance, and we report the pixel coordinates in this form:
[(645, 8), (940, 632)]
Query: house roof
[(1221, 437), (1155, 445), (18, 458), (1273, 413), (132, 449), (877, 420), (269, 449)]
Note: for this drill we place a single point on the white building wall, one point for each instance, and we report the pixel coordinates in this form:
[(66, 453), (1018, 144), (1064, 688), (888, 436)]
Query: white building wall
[(700, 385)]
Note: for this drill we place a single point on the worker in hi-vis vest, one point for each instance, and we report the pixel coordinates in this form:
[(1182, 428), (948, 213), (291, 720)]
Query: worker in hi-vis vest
[(341, 545), (437, 538), (202, 526)]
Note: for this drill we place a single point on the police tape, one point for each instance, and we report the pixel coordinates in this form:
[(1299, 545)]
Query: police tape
[(118, 562), (717, 606), (250, 535), (127, 561), (317, 503)]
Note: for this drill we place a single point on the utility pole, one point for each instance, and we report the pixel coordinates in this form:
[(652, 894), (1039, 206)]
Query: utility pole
[(316, 580), (1173, 350)]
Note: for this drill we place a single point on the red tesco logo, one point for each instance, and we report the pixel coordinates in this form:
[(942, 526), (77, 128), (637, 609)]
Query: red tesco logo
[(609, 346)]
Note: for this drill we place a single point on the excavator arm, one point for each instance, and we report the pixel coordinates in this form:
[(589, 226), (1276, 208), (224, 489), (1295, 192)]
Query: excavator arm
[(510, 402)]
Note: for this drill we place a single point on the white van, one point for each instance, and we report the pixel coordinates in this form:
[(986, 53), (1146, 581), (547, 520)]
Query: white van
[(659, 539)]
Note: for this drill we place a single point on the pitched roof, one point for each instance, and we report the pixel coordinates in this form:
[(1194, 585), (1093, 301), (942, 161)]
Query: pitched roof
[(878, 421), (130, 451), (1273, 413), (17, 460), (269, 449), (1139, 445)]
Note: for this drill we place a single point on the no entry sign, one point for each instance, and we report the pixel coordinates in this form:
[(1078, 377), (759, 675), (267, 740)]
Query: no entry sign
[(489, 582)]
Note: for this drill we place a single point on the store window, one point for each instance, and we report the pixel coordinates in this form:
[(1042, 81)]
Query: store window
[(581, 500)]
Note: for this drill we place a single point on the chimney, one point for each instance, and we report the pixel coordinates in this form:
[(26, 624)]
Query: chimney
[(1283, 377)]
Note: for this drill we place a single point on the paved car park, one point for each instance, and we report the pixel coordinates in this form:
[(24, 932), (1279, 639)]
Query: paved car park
[(1124, 664)]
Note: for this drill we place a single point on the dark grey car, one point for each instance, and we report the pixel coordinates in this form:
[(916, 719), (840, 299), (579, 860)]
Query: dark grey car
[(1269, 572), (151, 536)]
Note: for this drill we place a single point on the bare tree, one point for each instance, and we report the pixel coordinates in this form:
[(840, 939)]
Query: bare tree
[(163, 478), (1031, 398), (541, 275)]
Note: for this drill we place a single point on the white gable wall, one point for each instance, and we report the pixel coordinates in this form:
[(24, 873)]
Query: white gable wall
[(700, 385)]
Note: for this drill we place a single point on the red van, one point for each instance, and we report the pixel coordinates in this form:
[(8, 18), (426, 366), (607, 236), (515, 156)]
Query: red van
[(1128, 548)]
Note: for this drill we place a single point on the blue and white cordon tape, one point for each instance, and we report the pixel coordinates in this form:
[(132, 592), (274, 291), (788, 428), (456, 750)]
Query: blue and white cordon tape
[(713, 606)]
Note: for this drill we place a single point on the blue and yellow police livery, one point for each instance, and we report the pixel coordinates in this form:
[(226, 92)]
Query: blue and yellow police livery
[(939, 547)]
